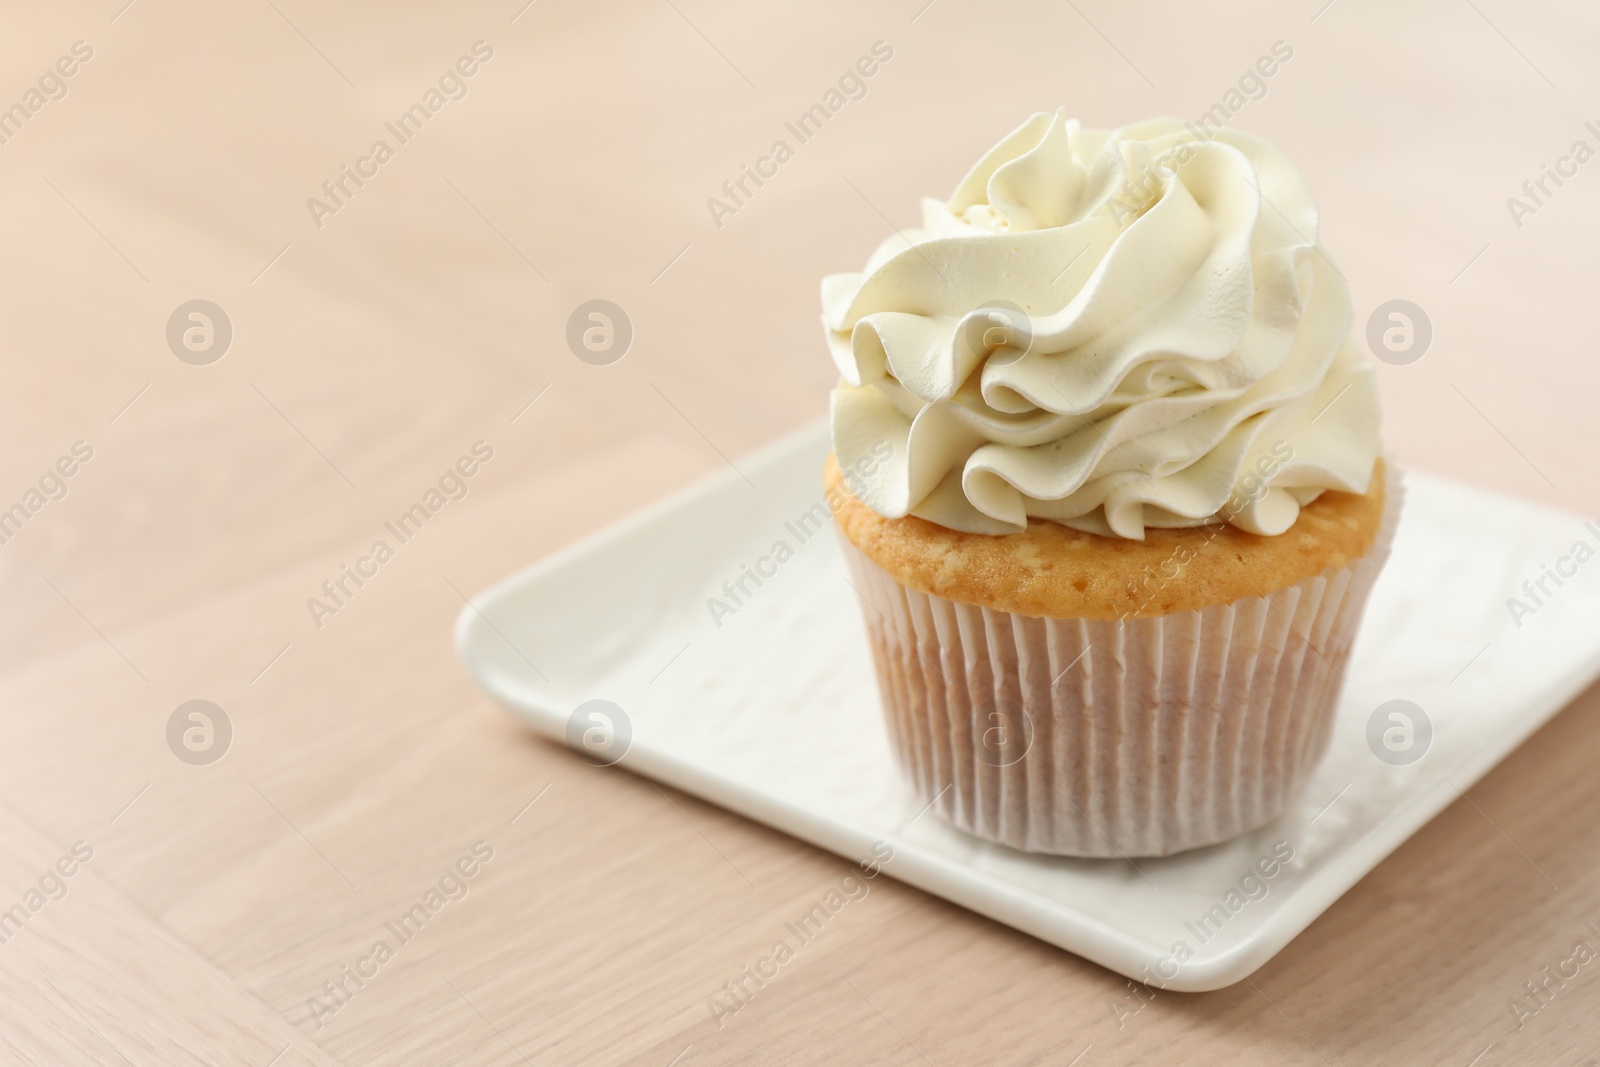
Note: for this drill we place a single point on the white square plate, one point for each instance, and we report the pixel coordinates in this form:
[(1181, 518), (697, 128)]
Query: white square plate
[(772, 710)]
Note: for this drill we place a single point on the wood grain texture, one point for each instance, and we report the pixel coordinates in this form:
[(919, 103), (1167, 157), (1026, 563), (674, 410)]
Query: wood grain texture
[(431, 308)]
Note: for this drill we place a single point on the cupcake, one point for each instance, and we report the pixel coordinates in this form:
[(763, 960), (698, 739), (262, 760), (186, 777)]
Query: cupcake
[(1108, 479)]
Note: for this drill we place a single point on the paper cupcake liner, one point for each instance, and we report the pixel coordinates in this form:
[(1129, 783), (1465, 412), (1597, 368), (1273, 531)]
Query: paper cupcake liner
[(1136, 737)]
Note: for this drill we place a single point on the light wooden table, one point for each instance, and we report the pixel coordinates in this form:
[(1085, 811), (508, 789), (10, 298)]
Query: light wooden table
[(424, 315)]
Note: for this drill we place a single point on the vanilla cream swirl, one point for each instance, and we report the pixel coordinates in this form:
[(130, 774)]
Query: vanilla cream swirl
[(1114, 330)]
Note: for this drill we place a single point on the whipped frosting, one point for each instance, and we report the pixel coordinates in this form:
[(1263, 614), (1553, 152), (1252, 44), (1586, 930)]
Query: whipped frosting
[(1115, 330)]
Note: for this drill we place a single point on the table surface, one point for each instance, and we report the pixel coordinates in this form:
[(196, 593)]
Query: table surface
[(227, 913)]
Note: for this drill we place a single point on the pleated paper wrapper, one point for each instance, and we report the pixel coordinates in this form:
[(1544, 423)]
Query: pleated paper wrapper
[(1136, 737)]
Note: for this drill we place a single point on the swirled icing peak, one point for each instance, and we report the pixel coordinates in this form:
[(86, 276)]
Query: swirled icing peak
[(1111, 329)]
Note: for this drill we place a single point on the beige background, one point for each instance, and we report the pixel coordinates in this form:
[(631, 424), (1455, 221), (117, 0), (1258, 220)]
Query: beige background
[(427, 313)]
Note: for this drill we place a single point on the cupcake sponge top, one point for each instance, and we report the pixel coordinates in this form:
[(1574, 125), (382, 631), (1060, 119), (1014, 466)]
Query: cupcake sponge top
[(1052, 571)]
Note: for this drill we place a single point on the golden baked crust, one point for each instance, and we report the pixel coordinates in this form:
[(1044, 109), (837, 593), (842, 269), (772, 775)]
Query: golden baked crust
[(1053, 571)]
